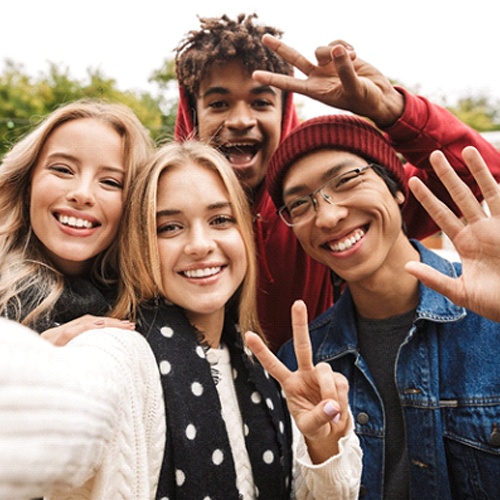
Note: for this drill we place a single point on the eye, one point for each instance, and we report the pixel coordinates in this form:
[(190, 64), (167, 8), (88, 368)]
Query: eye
[(298, 206), (113, 183), (218, 105), (60, 169), (223, 221), (347, 180), (168, 229), (261, 103)]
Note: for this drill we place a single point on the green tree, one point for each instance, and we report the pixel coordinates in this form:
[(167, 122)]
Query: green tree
[(25, 100), (479, 112)]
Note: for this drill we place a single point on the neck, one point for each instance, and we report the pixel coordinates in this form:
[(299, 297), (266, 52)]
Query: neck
[(210, 325), (391, 290)]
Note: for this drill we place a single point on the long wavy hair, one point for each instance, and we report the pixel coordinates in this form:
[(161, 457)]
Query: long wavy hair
[(29, 283), (140, 267)]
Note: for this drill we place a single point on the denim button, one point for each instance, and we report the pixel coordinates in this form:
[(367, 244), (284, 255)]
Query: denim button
[(495, 437), (362, 418)]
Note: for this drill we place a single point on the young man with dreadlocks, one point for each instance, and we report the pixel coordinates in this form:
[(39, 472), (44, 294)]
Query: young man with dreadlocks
[(247, 119)]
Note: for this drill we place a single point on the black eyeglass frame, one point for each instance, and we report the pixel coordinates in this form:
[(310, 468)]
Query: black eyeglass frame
[(312, 196)]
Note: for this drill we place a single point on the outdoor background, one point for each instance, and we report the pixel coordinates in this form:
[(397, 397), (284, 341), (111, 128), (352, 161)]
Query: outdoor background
[(52, 51)]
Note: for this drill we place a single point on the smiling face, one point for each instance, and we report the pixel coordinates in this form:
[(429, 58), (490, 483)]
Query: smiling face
[(240, 117), (202, 254), (356, 235), (76, 193)]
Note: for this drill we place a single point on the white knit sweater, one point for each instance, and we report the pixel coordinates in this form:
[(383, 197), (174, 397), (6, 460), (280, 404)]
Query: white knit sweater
[(82, 421), (86, 421)]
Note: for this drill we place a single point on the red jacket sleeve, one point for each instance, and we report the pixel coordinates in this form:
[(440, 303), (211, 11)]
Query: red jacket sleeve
[(423, 128)]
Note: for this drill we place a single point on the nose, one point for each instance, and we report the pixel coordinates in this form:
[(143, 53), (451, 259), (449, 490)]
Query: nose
[(241, 117), (328, 212), (82, 192), (199, 242)]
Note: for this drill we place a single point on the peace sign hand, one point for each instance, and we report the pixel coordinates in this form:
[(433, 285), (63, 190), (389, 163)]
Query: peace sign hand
[(317, 397), (339, 79)]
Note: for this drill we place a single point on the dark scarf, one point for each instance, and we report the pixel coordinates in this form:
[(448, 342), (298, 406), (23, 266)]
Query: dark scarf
[(79, 296), (203, 467)]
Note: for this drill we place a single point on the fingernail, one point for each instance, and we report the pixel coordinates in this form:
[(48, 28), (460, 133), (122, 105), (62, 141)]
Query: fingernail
[(99, 322), (332, 411)]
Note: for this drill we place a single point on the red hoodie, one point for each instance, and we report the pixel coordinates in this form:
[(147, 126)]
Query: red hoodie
[(286, 272)]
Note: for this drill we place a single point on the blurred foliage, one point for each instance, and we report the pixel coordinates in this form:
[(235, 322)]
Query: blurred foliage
[(26, 100)]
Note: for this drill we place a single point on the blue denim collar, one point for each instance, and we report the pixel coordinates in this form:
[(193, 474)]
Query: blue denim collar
[(342, 339)]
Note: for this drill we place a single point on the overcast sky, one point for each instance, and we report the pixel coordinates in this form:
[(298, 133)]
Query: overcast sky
[(446, 47)]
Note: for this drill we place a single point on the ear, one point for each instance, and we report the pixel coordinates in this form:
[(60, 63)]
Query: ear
[(400, 197)]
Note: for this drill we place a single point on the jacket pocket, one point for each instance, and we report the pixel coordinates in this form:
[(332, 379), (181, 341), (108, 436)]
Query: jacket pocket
[(472, 442)]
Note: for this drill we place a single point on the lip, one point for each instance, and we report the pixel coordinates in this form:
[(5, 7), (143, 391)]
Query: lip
[(346, 244), (237, 151), (202, 274), (76, 223)]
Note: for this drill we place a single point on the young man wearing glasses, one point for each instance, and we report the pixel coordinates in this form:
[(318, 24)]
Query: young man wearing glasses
[(246, 118), (423, 372)]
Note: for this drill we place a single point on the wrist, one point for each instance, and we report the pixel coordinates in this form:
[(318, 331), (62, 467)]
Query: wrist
[(392, 109)]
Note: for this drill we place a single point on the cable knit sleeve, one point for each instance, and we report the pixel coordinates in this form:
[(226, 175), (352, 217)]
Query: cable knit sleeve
[(81, 421), (338, 478)]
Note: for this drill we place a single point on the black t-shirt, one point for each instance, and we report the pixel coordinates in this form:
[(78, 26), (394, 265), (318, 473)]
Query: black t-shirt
[(379, 342)]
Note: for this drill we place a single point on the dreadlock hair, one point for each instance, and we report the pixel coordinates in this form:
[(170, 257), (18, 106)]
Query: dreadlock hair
[(222, 40)]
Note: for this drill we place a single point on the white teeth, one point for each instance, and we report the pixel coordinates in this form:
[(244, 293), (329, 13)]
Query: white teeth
[(348, 242), (74, 222), (202, 273)]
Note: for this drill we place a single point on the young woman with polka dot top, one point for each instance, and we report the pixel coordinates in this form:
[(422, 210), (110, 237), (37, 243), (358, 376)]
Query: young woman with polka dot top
[(189, 281)]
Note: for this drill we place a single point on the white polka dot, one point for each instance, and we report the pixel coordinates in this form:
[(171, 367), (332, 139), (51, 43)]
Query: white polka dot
[(246, 430), (165, 367), (257, 494), (191, 432), (217, 457), (268, 457), (207, 498), (180, 477), (256, 398), (166, 331), (266, 373), (196, 388), (164, 498), (269, 404), (282, 427), (235, 373), (200, 351)]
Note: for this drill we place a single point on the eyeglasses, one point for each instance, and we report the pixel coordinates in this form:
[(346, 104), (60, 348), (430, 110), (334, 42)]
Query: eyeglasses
[(340, 187)]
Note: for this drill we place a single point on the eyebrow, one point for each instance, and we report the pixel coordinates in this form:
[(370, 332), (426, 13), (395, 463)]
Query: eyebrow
[(262, 89), (213, 206)]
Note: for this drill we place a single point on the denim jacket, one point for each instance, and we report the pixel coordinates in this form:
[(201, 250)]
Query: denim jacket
[(448, 378)]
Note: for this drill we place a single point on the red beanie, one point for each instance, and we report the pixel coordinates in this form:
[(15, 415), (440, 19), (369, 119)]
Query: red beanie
[(340, 132)]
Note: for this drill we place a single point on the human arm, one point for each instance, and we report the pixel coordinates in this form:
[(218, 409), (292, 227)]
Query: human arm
[(317, 399), (476, 237), (64, 413)]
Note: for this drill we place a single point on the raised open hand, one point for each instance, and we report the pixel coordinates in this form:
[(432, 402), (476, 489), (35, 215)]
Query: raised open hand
[(476, 236), (339, 79), (317, 397)]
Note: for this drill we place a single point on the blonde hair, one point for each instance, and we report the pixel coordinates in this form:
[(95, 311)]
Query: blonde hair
[(25, 268), (140, 267)]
